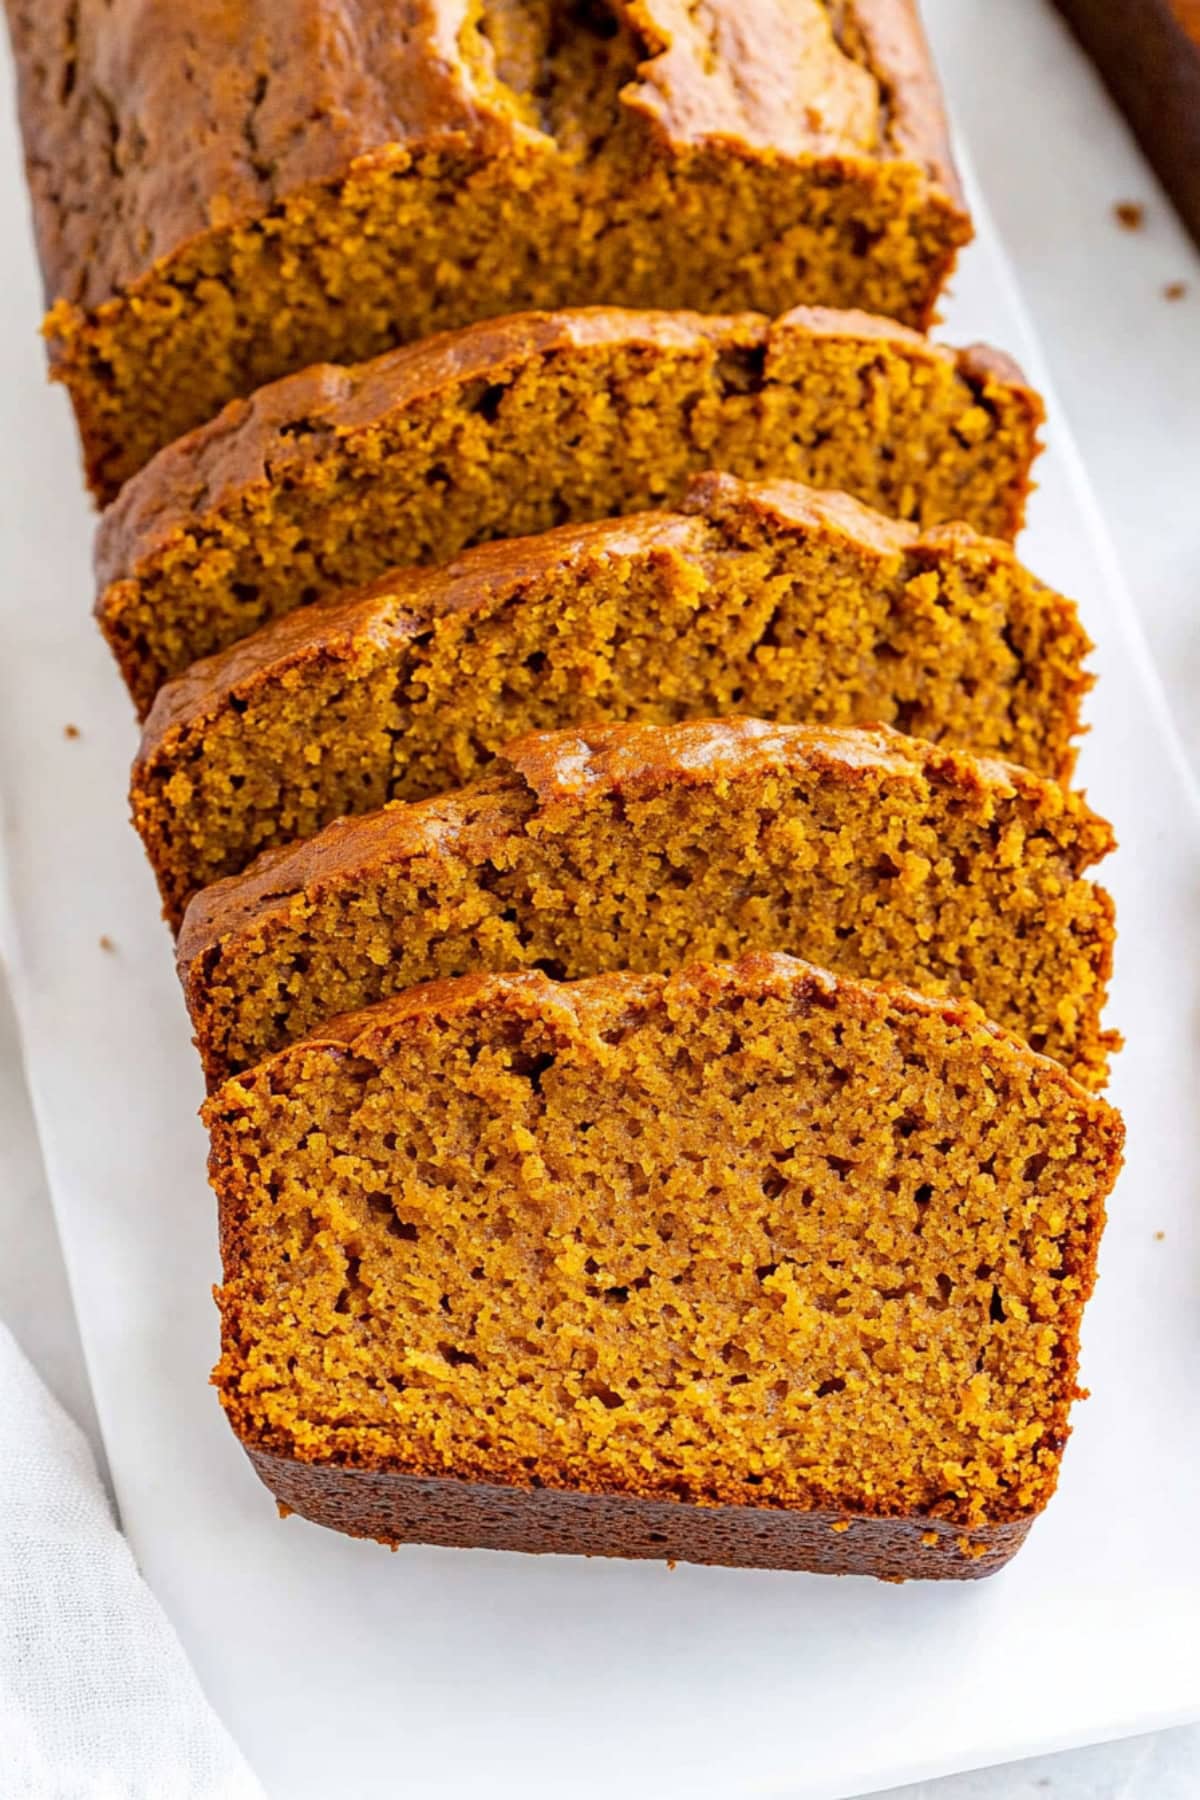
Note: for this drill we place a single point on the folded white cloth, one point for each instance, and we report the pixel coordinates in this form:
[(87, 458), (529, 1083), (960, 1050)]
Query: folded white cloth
[(97, 1699)]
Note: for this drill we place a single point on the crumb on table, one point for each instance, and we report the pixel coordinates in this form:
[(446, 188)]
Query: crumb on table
[(1129, 214), (71, 731), (1175, 290), (106, 943)]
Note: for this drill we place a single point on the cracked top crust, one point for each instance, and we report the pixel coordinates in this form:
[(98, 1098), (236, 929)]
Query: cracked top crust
[(148, 123)]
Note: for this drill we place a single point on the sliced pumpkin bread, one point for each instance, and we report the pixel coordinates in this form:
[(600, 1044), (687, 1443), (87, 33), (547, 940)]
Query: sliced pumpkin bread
[(642, 846)]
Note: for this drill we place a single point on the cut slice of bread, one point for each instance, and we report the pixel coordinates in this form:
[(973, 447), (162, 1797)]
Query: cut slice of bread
[(746, 1265), (642, 846)]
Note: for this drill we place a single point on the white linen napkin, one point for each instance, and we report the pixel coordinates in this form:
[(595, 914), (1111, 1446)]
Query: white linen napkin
[(97, 1699)]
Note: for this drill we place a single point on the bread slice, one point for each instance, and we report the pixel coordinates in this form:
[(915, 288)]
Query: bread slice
[(745, 1265), (771, 600), (641, 846), (325, 479), (226, 192)]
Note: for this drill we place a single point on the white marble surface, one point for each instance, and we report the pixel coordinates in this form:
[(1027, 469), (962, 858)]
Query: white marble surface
[(1053, 158)]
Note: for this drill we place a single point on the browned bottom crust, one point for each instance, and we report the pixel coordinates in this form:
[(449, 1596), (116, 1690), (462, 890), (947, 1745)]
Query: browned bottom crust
[(395, 1508)]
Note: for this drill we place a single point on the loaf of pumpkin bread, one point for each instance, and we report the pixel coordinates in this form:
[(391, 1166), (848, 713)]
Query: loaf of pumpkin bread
[(746, 1265), (227, 190), (775, 601), (643, 847), (328, 478)]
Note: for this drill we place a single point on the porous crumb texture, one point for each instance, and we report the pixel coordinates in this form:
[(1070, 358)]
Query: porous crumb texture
[(771, 601), (229, 192), (643, 847), (748, 1236), (327, 479)]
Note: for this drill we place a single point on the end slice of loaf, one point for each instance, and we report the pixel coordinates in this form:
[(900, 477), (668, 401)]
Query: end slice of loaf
[(640, 846), (325, 479), (773, 600), (748, 1265), (223, 192)]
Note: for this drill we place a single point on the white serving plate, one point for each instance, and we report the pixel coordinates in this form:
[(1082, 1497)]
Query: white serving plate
[(342, 1669)]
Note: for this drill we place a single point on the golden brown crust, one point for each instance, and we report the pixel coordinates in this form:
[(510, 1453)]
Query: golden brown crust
[(562, 767), (149, 124), (896, 45), (786, 505)]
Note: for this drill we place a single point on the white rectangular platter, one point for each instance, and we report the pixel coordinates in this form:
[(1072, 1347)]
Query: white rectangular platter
[(344, 1670)]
